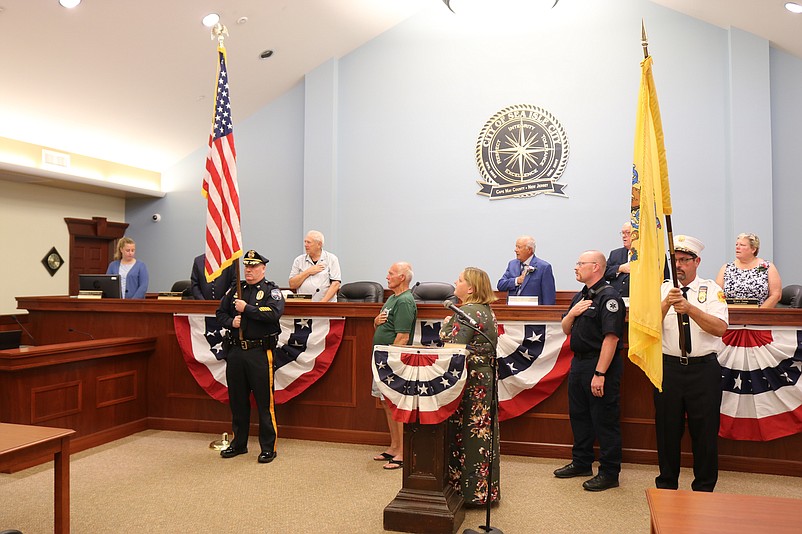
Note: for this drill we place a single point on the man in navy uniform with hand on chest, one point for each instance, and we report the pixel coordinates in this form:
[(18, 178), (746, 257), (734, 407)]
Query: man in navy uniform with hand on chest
[(595, 322)]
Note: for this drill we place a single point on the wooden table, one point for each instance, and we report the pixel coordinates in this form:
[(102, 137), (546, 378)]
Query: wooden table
[(690, 512), (20, 443)]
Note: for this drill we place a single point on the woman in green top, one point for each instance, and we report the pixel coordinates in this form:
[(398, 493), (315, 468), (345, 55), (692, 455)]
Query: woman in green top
[(469, 426)]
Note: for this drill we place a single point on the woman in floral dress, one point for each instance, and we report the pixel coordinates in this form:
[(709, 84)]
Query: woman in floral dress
[(750, 277), (469, 426)]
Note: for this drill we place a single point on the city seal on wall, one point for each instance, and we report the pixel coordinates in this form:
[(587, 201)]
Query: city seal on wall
[(521, 152)]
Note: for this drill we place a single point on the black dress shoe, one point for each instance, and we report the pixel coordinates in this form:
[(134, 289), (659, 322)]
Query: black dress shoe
[(570, 471), (232, 452), (600, 483), (267, 457)]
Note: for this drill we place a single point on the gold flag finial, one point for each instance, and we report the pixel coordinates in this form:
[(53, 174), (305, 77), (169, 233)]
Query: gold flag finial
[(219, 32), (644, 41)]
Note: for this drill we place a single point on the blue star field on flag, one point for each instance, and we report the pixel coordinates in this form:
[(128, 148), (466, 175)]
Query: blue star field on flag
[(223, 123)]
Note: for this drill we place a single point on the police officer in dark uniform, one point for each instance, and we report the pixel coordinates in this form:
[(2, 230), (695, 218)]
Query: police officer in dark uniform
[(249, 357), (595, 322)]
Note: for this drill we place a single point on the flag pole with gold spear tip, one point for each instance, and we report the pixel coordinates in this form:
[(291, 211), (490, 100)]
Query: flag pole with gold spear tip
[(669, 229), (650, 216)]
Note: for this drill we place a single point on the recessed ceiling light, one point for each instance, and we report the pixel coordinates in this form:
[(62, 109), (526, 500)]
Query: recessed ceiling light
[(266, 54), (793, 7), (69, 4), (242, 20), (211, 19)]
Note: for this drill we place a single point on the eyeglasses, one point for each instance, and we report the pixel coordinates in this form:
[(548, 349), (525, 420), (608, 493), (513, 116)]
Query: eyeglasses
[(683, 261), (581, 263), (625, 233)]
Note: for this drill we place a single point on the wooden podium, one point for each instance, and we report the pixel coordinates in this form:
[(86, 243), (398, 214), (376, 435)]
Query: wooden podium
[(426, 502), (407, 376)]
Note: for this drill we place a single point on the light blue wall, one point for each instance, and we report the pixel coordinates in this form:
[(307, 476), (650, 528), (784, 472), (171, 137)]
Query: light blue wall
[(377, 149), (750, 135), (786, 122)]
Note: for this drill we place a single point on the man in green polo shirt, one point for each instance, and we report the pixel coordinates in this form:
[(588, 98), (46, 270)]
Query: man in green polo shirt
[(395, 325)]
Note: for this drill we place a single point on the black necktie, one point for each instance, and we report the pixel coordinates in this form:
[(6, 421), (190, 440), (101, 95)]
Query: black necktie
[(686, 323)]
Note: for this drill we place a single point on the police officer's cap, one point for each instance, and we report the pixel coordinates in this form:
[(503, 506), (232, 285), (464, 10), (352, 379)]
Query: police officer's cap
[(689, 245), (253, 258)]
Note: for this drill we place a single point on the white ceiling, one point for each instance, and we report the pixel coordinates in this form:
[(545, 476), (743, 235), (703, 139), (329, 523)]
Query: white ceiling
[(131, 81)]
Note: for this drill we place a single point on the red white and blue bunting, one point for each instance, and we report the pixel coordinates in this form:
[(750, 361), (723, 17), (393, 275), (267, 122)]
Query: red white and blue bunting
[(762, 392), (533, 360), (420, 384), (306, 348), (761, 369)]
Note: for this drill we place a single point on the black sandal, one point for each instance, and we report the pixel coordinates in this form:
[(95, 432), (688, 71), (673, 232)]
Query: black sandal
[(394, 464)]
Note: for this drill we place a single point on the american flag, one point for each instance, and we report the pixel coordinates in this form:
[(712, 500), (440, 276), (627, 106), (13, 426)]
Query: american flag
[(223, 235)]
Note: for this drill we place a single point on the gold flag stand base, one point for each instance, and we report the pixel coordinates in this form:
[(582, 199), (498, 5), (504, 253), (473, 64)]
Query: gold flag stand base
[(220, 444)]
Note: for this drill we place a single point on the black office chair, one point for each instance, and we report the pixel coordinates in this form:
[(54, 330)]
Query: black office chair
[(184, 287), (791, 297), (433, 292), (361, 292)]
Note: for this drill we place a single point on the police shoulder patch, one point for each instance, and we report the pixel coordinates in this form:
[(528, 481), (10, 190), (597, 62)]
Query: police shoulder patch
[(276, 294), (612, 305)]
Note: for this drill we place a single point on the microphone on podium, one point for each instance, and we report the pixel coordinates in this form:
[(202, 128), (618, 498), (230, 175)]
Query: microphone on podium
[(461, 314), (79, 332)]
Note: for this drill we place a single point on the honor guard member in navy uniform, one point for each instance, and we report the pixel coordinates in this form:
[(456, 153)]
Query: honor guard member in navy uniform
[(691, 377), (595, 322), (249, 357)]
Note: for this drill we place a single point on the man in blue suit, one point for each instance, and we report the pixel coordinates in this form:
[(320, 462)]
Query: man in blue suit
[(617, 272), (214, 290), (618, 263), (528, 275)]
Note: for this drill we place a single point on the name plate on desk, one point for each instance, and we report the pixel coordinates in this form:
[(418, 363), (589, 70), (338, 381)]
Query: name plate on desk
[(517, 300), (297, 297), (170, 295), (89, 294), (743, 303)]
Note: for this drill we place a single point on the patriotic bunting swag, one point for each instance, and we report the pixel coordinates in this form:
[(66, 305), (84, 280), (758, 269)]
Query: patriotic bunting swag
[(762, 394), (533, 361), (306, 348), (420, 384), (761, 370)]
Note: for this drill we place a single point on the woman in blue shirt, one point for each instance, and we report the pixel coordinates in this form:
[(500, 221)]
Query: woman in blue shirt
[(133, 273)]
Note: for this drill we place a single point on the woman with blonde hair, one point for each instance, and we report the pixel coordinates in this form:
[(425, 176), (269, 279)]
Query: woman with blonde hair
[(133, 273), (469, 426), (750, 277)]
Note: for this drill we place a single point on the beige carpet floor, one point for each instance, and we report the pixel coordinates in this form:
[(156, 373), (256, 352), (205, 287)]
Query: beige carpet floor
[(171, 482)]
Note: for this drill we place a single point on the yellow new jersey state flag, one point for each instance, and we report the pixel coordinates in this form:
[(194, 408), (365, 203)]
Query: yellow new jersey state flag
[(651, 200)]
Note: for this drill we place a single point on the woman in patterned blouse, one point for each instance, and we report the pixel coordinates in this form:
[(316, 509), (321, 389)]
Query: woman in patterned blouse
[(750, 277)]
